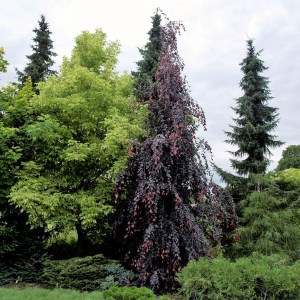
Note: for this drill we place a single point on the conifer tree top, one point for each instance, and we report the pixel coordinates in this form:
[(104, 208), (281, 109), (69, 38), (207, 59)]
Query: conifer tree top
[(40, 61), (145, 83)]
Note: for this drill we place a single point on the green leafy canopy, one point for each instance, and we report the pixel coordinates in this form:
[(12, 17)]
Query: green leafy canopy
[(87, 117)]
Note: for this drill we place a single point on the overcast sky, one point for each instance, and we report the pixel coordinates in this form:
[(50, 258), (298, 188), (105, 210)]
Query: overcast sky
[(212, 47)]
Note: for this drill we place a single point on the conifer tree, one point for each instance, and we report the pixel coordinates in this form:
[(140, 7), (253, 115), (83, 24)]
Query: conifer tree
[(254, 124), (144, 78), (40, 61), (255, 118), (171, 212)]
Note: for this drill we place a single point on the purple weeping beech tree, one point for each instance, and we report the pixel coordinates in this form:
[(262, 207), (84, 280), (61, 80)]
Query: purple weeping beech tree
[(169, 212)]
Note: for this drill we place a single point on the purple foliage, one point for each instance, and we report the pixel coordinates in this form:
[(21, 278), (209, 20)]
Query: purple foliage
[(169, 211)]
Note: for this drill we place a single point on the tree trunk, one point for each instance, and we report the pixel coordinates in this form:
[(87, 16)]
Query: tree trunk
[(82, 242)]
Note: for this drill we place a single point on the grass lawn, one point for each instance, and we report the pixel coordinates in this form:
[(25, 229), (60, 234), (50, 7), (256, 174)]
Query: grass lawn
[(39, 293), (28, 292)]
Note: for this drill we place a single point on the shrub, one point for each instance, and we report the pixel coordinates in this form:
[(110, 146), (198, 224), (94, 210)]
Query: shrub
[(128, 293), (255, 277), (84, 274), (25, 264), (22, 270), (270, 224)]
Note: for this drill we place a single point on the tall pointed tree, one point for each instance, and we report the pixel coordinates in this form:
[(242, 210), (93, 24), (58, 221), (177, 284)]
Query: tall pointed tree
[(255, 121), (41, 60), (171, 213), (255, 118), (144, 77)]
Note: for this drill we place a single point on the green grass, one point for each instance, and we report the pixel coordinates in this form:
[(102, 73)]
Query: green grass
[(28, 293), (44, 294)]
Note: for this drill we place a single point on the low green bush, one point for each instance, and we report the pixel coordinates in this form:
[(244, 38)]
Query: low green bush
[(22, 270), (85, 274), (25, 264), (270, 224), (128, 293), (256, 277)]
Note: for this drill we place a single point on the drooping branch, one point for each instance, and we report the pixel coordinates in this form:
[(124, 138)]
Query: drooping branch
[(165, 194)]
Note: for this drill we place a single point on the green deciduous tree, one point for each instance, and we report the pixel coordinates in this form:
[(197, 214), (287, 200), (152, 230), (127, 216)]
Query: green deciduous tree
[(86, 118), (9, 154), (41, 60), (290, 158), (3, 62), (144, 77), (14, 147)]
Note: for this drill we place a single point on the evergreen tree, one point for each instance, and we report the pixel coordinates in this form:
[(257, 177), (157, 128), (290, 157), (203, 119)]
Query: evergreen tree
[(254, 123), (171, 213), (271, 217), (144, 78), (40, 61), (255, 119)]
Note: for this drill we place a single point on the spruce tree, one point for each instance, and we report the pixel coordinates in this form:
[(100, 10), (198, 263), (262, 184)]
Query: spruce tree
[(168, 210), (40, 61), (254, 124), (145, 85), (255, 118)]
